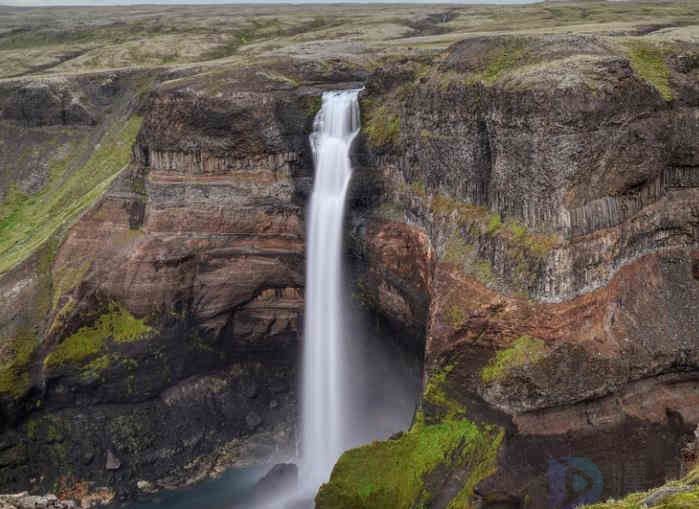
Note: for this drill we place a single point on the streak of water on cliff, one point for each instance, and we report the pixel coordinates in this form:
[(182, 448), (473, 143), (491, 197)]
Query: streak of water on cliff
[(323, 392)]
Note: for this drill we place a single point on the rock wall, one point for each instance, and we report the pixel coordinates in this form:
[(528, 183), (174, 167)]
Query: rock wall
[(167, 351), (541, 220)]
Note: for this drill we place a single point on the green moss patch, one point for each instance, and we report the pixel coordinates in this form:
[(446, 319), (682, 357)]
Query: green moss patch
[(435, 394), (482, 221), (382, 127), (458, 252), (313, 105), (390, 211), (28, 221), (66, 279), (117, 324), (525, 350), (479, 458), (501, 60), (14, 369), (456, 315), (648, 62), (525, 249), (397, 473), (391, 474), (93, 369), (47, 428)]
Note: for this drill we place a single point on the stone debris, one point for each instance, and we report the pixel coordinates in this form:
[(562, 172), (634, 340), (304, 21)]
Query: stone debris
[(26, 501)]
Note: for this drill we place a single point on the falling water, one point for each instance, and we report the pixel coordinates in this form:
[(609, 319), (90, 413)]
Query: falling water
[(323, 390)]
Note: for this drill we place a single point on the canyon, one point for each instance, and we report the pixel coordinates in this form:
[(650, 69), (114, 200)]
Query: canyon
[(522, 233)]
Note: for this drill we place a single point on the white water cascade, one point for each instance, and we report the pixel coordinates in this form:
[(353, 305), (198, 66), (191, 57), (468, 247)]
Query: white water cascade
[(324, 436)]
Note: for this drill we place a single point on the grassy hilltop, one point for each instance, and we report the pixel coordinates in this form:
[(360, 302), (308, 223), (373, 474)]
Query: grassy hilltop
[(35, 41)]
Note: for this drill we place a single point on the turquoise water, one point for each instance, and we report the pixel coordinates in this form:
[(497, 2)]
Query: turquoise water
[(227, 492)]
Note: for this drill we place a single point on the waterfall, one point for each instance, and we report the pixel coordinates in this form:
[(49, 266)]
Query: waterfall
[(323, 383)]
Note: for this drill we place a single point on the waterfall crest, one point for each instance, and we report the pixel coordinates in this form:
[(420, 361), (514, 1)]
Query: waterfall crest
[(322, 423)]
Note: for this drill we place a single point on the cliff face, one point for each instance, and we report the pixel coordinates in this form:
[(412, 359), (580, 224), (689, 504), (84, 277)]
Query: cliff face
[(540, 218), (161, 329), (524, 211)]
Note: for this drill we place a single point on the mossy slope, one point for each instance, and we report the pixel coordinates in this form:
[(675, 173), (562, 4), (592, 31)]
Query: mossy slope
[(394, 474), (116, 324), (28, 221), (382, 126), (14, 372), (525, 350), (391, 474), (648, 61)]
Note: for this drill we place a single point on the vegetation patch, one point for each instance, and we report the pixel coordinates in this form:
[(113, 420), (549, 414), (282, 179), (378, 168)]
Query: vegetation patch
[(32, 39), (230, 46), (648, 61), (391, 474), (14, 370), (501, 60), (46, 428), (525, 249), (313, 105), (66, 279), (93, 369), (456, 315), (61, 316), (490, 223), (382, 127), (390, 211), (525, 350), (116, 324), (457, 250), (464, 256), (418, 187), (394, 474), (494, 224), (435, 394), (479, 458), (28, 221)]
